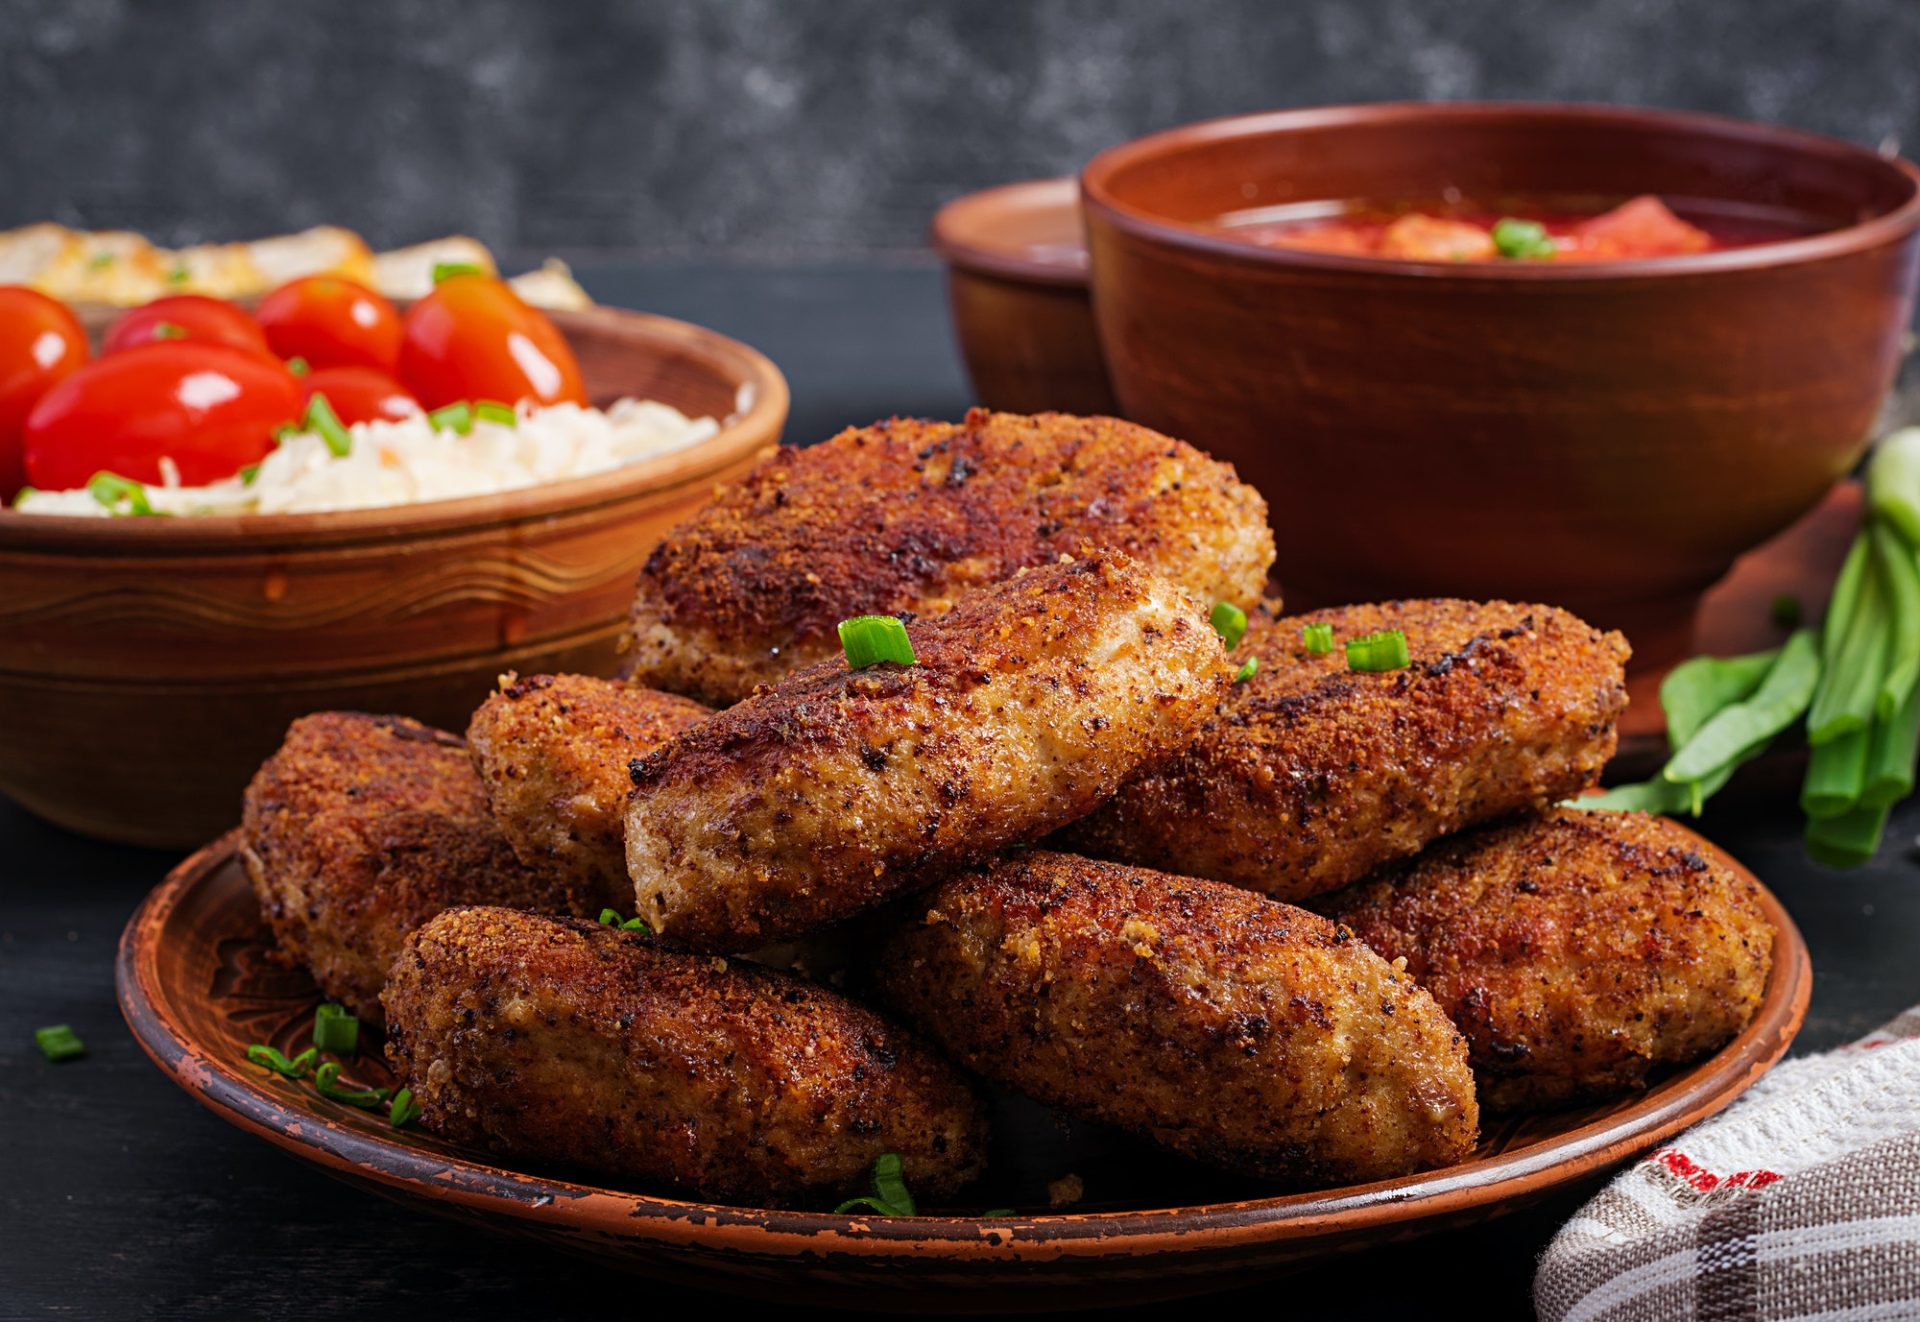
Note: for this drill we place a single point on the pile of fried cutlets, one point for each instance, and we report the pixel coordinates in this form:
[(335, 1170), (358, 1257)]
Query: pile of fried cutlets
[(1234, 895)]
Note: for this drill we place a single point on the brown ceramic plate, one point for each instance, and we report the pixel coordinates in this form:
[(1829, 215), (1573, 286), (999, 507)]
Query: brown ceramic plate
[(196, 985)]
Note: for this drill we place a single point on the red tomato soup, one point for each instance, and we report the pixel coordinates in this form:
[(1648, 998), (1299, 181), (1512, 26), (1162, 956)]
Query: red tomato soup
[(1634, 230)]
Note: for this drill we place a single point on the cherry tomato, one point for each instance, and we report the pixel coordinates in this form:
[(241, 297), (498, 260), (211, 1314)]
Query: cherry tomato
[(472, 338), (41, 344), (361, 394), (185, 317), (210, 408), (331, 322)]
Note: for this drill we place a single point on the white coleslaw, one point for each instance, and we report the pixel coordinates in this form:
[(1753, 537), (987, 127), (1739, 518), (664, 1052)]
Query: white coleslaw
[(410, 461)]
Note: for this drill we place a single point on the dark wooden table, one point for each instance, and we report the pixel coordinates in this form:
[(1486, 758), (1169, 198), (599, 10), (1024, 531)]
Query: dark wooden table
[(122, 1198)]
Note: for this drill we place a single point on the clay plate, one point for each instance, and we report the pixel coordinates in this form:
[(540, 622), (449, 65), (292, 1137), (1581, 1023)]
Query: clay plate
[(196, 985)]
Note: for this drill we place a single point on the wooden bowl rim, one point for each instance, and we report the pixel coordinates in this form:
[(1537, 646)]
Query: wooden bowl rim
[(145, 1000), (1098, 197), (958, 224), (740, 434)]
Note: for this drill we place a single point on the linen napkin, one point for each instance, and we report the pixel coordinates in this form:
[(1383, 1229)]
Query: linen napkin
[(1801, 1200)]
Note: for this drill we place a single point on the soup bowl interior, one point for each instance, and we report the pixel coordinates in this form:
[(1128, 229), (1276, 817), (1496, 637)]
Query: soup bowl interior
[(1606, 436)]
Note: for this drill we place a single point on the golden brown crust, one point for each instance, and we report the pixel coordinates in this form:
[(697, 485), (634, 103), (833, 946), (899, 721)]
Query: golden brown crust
[(1310, 775), (1224, 1025), (1575, 950), (907, 515), (359, 829), (552, 751), (571, 1042), (822, 796)]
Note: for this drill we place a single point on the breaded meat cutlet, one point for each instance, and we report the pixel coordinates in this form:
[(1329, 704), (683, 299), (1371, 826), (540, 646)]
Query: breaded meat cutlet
[(907, 516), (1310, 775), (359, 829), (825, 794), (1223, 1025), (552, 751), (567, 1041), (1576, 950)]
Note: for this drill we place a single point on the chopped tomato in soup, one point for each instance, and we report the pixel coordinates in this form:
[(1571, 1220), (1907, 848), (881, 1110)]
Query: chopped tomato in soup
[(1640, 228)]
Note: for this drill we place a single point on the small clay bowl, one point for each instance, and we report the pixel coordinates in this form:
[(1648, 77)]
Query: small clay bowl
[(1605, 437), (1017, 284), (148, 666), (197, 984)]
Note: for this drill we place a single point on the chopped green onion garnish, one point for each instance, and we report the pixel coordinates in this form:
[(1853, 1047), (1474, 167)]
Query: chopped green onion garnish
[(59, 1042), (458, 416), (336, 1029), (1230, 622), (865, 1203), (1317, 638), (109, 489), (611, 918), (1522, 238), (1248, 669), (326, 1081), (101, 260), (298, 366), (1377, 652), (166, 330), (404, 1110), (448, 270), (275, 1060), (889, 1182), (890, 1196), (492, 410), (871, 639), (178, 275), (322, 419), (249, 474)]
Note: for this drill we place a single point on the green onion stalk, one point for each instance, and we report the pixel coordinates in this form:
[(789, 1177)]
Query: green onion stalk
[(1854, 685)]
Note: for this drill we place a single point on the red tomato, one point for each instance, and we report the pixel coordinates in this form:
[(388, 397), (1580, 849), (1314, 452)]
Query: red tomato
[(41, 345), (331, 322), (184, 317), (472, 338), (210, 408), (1642, 227), (360, 394)]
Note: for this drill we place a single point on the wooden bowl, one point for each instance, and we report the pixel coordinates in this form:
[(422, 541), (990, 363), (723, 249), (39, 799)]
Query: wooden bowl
[(1606, 437), (148, 666), (196, 985), (1017, 284)]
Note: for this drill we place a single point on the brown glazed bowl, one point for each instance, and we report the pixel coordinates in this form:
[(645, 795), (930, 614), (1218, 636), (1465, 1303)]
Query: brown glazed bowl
[(148, 666), (1017, 285), (197, 985), (1606, 437)]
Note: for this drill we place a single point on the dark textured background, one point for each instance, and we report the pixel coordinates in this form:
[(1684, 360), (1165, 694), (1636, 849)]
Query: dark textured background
[(808, 129)]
